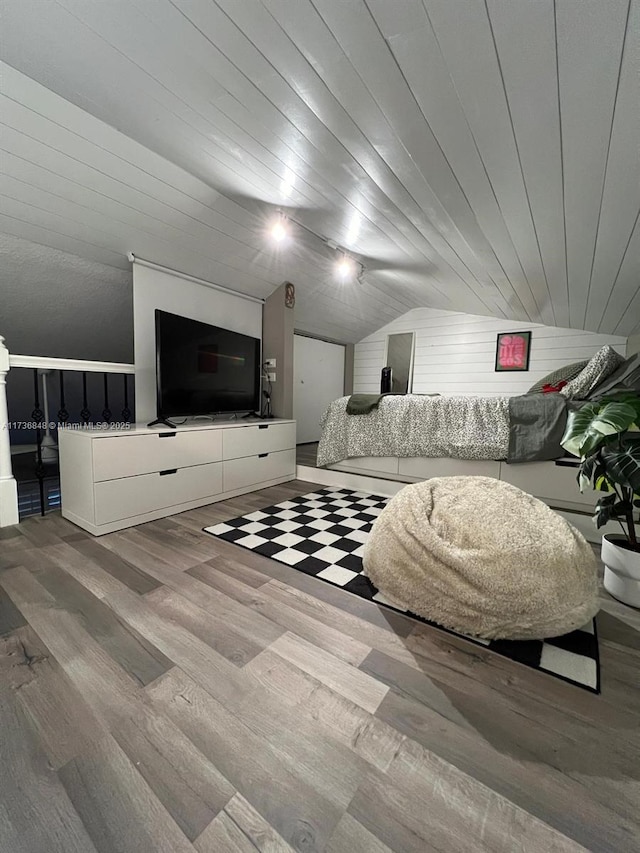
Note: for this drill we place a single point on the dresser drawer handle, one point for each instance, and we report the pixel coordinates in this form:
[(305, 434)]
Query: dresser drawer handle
[(167, 434), (263, 426), (168, 471), (262, 455)]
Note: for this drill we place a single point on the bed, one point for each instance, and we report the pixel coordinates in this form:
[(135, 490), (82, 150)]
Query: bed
[(517, 439), (517, 429)]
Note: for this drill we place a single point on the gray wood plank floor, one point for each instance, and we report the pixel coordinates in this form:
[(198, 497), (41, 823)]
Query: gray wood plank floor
[(307, 454), (162, 690)]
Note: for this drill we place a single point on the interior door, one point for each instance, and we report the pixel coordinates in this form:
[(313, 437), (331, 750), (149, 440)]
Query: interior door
[(318, 378)]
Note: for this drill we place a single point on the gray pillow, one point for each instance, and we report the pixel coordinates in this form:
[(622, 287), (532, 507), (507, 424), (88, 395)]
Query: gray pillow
[(625, 378), (599, 368), (568, 372)]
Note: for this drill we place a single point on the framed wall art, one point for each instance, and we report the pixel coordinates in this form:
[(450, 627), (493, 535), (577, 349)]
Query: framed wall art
[(512, 351)]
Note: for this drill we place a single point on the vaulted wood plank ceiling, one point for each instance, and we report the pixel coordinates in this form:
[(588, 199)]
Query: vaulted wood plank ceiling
[(476, 155)]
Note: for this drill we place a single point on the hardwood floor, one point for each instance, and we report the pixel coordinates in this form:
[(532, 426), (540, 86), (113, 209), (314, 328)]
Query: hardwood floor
[(162, 690), (307, 454)]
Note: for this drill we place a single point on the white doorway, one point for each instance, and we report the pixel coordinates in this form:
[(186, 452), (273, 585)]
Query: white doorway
[(318, 378)]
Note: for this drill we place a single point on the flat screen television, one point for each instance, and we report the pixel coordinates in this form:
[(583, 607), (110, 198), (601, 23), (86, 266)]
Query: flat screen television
[(203, 369)]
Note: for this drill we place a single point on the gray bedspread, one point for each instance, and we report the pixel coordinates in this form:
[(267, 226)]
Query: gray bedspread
[(536, 425), (457, 427)]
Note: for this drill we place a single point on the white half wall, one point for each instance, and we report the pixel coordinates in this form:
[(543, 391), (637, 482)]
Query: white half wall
[(155, 289), (455, 353)]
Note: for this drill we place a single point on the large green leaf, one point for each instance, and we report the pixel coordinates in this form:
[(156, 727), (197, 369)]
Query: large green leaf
[(578, 422), (612, 420), (622, 465), (629, 397), (592, 472), (614, 417), (610, 509), (596, 425)]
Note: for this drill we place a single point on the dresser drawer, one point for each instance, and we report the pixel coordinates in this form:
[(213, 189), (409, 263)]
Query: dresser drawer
[(253, 470), (132, 496), (129, 455), (257, 438)]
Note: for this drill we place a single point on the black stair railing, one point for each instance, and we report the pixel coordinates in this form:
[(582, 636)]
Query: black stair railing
[(43, 467)]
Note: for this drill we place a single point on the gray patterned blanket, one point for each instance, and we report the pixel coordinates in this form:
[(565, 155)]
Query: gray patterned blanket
[(516, 429)]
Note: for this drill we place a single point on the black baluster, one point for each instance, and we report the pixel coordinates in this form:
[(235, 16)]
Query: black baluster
[(126, 412), (85, 414), (38, 416), (106, 412), (63, 414)]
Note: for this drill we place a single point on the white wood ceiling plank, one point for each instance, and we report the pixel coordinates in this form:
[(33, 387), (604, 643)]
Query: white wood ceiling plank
[(590, 37), (621, 191), (120, 94), (79, 111), (435, 124), (31, 102), (18, 147), (151, 48), (316, 273), (70, 141), (476, 74), (350, 307), (304, 130), (347, 327), (208, 243), (305, 29), (416, 50), (424, 287), (526, 42), (201, 13), (275, 131), (621, 313), (346, 76), (388, 112), (189, 231)]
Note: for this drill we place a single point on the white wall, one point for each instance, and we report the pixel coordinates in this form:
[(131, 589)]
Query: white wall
[(318, 378), (633, 345), (455, 353), (155, 289)]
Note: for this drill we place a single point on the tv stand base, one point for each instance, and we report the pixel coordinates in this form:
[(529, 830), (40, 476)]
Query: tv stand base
[(162, 422)]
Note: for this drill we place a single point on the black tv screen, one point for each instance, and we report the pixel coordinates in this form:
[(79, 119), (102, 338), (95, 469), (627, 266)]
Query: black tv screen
[(202, 369)]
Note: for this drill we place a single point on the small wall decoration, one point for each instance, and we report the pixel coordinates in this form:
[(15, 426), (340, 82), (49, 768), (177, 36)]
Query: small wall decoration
[(512, 351), (289, 294)]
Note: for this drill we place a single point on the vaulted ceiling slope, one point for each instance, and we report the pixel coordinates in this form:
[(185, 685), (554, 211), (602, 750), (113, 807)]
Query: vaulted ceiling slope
[(477, 155)]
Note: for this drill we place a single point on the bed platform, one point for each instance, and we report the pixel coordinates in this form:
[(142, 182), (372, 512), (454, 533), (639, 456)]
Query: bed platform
[(553, 482)]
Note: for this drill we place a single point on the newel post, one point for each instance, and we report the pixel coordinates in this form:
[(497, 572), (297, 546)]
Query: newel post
[(8, 486)]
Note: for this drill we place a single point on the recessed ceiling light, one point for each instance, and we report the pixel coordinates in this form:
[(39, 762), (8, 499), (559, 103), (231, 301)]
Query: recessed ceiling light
[(345, 268), (279, 231)]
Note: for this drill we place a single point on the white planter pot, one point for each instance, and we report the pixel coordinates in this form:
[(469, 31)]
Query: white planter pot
[(622, 570)]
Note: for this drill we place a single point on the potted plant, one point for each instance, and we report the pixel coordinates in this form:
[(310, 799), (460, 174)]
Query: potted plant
[(605, 436)]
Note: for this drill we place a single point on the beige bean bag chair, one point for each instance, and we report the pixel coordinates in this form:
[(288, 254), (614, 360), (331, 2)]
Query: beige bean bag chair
[(482, 557)]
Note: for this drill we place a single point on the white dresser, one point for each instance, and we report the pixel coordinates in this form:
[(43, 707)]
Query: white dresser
[(111, 479)]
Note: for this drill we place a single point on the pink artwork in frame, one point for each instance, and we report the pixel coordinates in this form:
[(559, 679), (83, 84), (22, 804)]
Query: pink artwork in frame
[(512, 351)]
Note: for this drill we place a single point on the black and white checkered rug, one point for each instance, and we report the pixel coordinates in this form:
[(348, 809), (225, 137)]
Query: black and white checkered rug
[(323, 534)]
